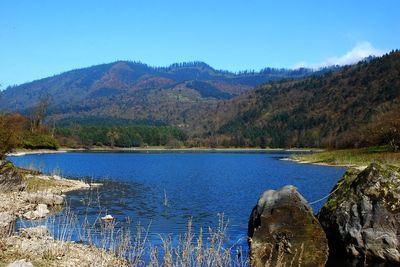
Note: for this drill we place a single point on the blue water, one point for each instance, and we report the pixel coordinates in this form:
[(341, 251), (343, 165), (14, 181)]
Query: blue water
[(197, 185)]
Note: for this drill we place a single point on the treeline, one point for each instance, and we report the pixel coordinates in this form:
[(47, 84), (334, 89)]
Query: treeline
[(291, 132), (121, 136), (18, 131)]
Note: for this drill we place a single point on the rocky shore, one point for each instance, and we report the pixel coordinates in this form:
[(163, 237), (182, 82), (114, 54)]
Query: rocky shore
[(31, 195), (37, 247), (24, 192)]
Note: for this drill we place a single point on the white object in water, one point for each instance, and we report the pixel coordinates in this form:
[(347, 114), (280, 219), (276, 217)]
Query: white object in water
[(108, 217)]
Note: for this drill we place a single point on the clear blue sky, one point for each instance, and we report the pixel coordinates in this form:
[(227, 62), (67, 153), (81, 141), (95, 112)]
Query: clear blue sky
[(42, 38)]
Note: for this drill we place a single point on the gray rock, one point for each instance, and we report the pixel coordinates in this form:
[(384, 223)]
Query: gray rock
[(362, 215), (7, 224), (282, 228), (44, 198), (20, 263), (10, 179), (29, 215), (41, 211)]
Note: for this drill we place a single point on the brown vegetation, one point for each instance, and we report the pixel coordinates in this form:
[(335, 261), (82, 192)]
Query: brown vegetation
[(335, 110), (386, 131), (17, 131), (11, 128)]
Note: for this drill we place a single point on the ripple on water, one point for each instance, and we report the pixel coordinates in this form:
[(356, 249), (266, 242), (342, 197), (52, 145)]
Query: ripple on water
[(197, 185)]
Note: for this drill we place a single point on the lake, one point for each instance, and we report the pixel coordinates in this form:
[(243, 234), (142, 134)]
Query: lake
[(165, 189)]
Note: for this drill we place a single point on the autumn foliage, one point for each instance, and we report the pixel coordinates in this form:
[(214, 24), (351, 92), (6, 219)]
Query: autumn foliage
[(11, 128), (16, 132)]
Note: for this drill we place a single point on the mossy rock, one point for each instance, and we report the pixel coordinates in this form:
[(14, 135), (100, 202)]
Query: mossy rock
[(10, 178), (362, 215)]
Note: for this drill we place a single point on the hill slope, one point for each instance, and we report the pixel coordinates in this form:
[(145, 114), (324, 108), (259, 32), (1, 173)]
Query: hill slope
[(337, 109), (135, 91)]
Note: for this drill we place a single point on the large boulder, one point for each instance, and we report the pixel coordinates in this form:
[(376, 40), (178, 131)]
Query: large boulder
[(283, 229), (10, 179), (362, 215)]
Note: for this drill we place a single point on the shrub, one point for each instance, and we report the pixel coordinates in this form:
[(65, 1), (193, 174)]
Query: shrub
[(40, 141)]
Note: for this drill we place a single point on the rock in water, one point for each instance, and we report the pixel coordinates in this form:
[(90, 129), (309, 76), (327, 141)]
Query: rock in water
[(282, 229), (108, 217), (362, 215), (10, 179)]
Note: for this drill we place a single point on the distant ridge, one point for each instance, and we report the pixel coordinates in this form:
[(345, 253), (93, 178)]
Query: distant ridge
[(135, 91), (336, 109)]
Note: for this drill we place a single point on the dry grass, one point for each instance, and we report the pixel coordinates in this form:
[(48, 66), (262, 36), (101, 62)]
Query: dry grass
[(351, 157), (35, 184), (136, 249), (192, 250), (116, 245)]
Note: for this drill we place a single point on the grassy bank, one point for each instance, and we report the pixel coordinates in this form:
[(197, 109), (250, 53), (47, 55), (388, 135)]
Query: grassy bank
[(350, 157)]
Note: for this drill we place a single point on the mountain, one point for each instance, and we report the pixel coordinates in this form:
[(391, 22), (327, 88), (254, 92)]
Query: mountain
[(136, 93), (340, 108), (335, 107)]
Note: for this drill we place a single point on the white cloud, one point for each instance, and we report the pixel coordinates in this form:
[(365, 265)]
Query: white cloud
[(359, 52)]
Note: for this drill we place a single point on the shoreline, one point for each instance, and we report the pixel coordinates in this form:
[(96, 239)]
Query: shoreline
[(18, 153), (33, 196), (49, 187), (321, 163), (350, 158)]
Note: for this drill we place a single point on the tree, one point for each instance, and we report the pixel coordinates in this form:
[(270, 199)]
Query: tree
[(386, 132), (38, 114), (389, 134), (11, 131), (112, 136)]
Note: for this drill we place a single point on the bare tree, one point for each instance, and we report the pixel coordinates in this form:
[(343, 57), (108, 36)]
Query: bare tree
[(112, 136), (386, 132), (38, 114)]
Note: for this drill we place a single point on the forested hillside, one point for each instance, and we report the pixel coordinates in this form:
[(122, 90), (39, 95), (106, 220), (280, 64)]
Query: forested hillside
[(356, 106), (194, 104), (136, 92)]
